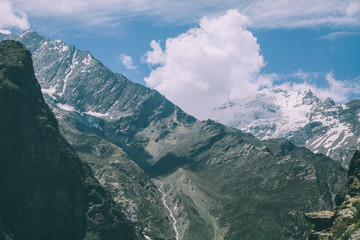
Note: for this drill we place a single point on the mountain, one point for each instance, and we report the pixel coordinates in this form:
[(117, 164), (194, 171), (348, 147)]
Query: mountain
[(46, 192), (128, 184), (319, 125), (218, 182), (343, 221), (79, 96)]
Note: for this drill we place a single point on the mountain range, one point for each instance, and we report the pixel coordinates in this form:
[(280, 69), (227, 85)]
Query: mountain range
[(319, 125), (217, 181)]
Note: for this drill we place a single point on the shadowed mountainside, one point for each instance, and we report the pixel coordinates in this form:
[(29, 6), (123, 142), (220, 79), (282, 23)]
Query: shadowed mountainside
[(46, 192)]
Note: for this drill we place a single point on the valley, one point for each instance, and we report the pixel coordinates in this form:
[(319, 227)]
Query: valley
[(175, 177)]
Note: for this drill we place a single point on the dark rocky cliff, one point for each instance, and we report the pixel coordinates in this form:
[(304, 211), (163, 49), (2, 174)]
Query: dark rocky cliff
[(46, 192), (343, 222)]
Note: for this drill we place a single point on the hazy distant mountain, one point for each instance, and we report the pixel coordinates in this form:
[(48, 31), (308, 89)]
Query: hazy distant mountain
[(46, 192), (219, 181), (320, 125)]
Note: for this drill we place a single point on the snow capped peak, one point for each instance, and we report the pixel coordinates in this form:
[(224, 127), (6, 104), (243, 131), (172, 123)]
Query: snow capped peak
[(307, 120), (31, 34), (25, 33), (288, 105)]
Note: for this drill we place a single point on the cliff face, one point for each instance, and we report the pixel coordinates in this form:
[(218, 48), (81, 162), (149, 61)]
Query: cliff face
[(343, 222), (69, 77), (45, 190)]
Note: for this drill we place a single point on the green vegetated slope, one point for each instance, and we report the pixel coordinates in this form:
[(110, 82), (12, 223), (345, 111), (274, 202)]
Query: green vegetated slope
[(215, 177), (46, 192)]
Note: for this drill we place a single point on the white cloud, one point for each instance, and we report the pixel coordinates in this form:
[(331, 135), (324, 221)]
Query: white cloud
[(10, 19), (4, 31), (337, 90), (300, 75), (335, 35), (127, 61), (353, 8), (205, 66), (304, 13), (262, 13)]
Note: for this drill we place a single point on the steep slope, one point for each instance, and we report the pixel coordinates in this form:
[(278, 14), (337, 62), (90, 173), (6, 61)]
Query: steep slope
[(128, 184), (342, 222), (83, 94), (45, 190), (78, 83), (219, 182), (241, 187), (320, 125)]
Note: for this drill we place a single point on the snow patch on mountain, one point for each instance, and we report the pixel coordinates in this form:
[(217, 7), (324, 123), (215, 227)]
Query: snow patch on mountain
[(66, 107), (278, 111), (96, 114), (49, 91), (300, 116), (74, 63)]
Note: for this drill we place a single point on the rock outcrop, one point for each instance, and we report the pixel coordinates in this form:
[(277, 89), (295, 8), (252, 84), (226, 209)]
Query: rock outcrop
[(46, 192), (343, 222)]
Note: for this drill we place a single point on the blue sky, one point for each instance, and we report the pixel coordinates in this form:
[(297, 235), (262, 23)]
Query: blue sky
[(208, 52)]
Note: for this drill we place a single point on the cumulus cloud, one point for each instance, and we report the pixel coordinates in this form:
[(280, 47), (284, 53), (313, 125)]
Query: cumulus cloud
[(202, 68), (127, 61), (10, 19)]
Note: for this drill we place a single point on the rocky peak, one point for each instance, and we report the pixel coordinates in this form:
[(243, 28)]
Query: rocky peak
[(15, 61), (46, 192), (329, 102), (309, 97), (300, 116)]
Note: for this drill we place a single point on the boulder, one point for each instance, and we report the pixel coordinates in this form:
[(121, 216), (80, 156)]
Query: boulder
[(321, 220)]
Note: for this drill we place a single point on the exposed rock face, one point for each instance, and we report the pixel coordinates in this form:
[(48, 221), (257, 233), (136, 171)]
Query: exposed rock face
[(219, 181), (245, 184), (90, 99), (346, 216), (321, 220), (127, 183), (45, 190)]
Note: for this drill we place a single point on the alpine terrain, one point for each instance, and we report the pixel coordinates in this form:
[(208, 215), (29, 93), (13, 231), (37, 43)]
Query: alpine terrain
[(342, 222), (319, 125), (197, 179), (46, 192)]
